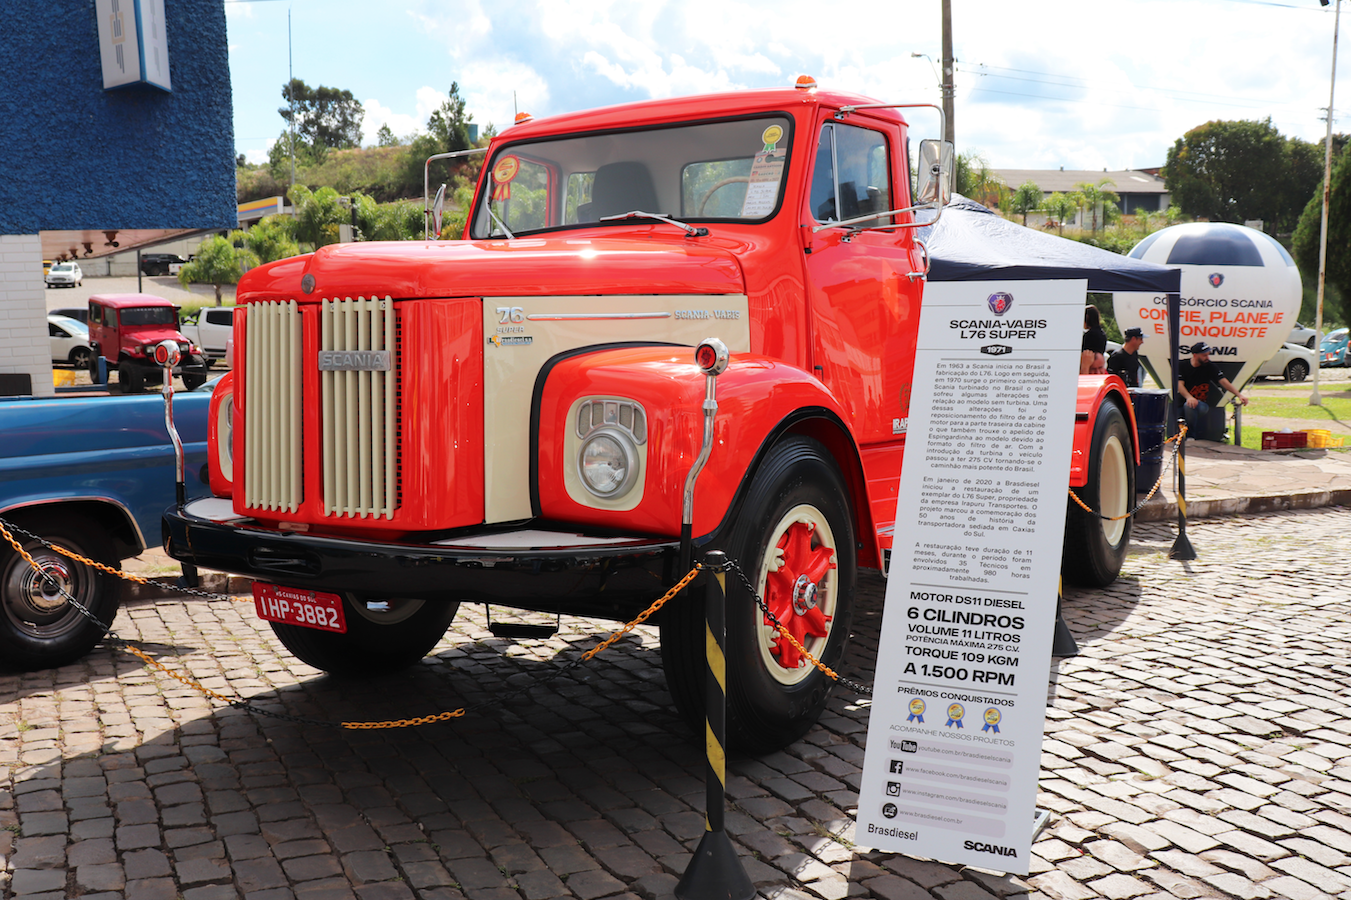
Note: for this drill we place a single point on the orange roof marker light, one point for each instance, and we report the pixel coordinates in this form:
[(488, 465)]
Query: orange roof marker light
[(523, 117), (805, 83)]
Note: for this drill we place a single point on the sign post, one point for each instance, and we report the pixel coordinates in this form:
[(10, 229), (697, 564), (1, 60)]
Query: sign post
[(954, 737)]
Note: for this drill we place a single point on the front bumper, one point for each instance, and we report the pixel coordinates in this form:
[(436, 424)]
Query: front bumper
[(547, 571)]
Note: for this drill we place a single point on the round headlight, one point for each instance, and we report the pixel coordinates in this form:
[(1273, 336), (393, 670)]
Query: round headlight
[(608, 464)]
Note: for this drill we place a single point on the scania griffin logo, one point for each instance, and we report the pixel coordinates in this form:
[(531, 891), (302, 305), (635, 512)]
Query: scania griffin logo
[(996, 349), (1000, 302), (1215, 279)]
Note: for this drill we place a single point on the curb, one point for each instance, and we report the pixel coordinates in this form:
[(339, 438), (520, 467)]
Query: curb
[(1160, 510)]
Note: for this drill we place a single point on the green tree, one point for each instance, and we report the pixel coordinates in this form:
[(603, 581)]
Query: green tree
[(1027, 198), (272, 238), (385, 137), (318, 215), (1062, 206), (1233, 171), (218, 262), (1308, 233), (1098, 197), (449, 125), (325, 117), (977, 181)]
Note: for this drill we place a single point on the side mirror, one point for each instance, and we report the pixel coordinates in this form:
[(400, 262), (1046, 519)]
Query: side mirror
[(935, 173), (438, 211)]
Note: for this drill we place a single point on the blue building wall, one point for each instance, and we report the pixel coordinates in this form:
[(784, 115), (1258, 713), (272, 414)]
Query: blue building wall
[(76, 156)]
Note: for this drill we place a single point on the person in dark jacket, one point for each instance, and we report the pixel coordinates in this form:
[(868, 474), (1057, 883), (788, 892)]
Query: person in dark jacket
[(1194, 378), (1092, 356), (1125, 363)]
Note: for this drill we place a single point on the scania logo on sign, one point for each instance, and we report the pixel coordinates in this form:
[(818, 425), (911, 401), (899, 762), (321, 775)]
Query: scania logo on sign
[(1000, 302), (996, 349), (354, 361)]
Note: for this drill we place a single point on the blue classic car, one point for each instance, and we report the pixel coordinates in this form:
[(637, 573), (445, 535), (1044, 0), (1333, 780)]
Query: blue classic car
[(92, 474), (1333, 352)]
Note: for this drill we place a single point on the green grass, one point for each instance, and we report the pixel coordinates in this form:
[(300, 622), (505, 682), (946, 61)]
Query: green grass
[(1336, 407)]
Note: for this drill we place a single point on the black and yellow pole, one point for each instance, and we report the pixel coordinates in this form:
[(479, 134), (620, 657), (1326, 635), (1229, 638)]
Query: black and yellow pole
[(715, 872), (1182, 546)]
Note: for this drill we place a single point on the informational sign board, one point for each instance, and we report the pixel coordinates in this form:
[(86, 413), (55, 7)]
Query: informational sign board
[(959, 699), (133, 44)]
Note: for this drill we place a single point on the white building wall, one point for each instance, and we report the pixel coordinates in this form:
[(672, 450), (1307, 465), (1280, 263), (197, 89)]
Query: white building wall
[(23, 312)]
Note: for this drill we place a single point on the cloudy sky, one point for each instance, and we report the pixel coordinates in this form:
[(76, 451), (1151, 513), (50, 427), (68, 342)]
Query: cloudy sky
[(1107, 84)]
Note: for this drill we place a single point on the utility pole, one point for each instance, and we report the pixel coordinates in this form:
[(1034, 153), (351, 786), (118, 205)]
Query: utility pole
[(291, 91), (1314, 399), (948, 91)]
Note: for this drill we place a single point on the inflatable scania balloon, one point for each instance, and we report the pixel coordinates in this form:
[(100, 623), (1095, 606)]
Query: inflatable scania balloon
[(1240, 294)]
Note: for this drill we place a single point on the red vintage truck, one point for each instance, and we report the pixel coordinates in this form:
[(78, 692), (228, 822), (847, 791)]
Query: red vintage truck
[(509, 419)]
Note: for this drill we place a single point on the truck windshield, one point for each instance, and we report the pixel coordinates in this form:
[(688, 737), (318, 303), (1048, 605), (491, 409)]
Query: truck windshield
[(712, 171), (149, 315)]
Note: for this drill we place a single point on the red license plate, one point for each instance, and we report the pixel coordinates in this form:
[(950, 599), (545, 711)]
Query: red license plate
[(293, 606)]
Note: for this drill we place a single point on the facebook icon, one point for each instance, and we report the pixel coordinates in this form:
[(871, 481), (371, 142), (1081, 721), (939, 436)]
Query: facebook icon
[(896, 766)]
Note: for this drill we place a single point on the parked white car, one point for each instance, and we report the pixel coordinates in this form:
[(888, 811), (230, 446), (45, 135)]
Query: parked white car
[(70, 341), (66, 274), (212, 330), (1292, 362), (1302, 335)]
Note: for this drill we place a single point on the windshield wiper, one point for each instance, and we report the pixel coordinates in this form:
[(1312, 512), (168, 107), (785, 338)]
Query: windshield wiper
[(689, 230), (500, 224)]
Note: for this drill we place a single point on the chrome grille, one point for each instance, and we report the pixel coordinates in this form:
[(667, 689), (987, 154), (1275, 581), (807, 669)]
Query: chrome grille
[(272, 410), (360, 410)]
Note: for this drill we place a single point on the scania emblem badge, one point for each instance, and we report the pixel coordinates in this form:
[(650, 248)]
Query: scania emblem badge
[(1000, 302)]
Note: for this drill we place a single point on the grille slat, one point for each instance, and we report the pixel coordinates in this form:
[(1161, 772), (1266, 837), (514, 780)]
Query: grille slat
[(272, 459), (360, 452)]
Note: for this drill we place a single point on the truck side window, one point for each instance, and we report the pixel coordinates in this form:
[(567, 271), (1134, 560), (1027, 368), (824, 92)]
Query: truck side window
[(852, 175)]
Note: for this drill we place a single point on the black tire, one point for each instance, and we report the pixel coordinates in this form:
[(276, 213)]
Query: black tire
[(1296, 370), (1310, 342), (375, 643), (1095, 549), (770, 705), (129, 379), (81, 357), (39, 628), (193, 380)]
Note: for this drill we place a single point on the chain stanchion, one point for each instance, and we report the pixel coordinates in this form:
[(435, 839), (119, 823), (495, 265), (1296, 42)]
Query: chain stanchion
[(715, 872), (1182, 545)]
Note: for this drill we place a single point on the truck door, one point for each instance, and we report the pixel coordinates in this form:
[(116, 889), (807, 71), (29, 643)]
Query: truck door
[(864, 305)]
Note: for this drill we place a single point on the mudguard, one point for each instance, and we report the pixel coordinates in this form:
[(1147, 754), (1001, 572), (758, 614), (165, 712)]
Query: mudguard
[(759, 400), (1094, 391), (219, 431)]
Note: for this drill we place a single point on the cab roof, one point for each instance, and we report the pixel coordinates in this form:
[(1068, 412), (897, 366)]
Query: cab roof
[(121, 301), (679, 109)]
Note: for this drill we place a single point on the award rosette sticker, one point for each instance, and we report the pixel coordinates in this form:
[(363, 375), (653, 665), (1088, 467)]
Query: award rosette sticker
[(506, 170), (971, 593)]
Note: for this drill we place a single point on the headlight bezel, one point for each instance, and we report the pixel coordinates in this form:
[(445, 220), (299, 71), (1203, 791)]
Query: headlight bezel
[(616, 419)]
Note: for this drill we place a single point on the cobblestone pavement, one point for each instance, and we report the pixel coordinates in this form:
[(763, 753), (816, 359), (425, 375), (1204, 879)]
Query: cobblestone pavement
[(1198, 747)]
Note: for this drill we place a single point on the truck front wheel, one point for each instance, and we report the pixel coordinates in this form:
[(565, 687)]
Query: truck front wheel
[(1095, 549), (795, 542), (382, 636), (39, 628)]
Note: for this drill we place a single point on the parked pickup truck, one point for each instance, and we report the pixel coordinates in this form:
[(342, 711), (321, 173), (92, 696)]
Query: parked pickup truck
[(511, 418), (210, 330), (92, 474)]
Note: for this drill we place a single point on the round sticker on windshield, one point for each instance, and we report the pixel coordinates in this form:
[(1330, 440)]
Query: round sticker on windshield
[(772, 134), (506, 169)]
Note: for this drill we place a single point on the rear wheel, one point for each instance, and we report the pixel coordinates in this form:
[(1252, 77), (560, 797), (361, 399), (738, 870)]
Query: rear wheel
[(1094, 548), (382, 635), (81, 357), (39, 628), (795, 542), (1297, 370)]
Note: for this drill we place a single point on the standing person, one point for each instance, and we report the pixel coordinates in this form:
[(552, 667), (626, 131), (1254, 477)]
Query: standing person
[(1125, 362), (1193, 382), (1092, 358)]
